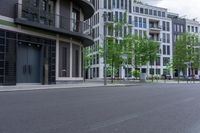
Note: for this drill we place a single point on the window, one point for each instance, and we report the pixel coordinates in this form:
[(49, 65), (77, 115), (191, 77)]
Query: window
[(158, 61), (113, 3), (146, 11), (137, 9), (163, 25), (120, 17), (168, 26), (166, 61), (175, 27), (64, 61), (150, 12), (157, 71), (122, 4), (126, 6), (178, 28), (130, 19), (151, 70), (77, 63), (105, 4), (192, 28), (117, 4), (164, 38), (116, 16), (144, 23), (164, 49), (130, 10), (196, 29), (136, 21), (155, 13), (110, 16), (109, 4), (168, 50), (141, 10), (159, 13), (163, 14), (168, 38), (181, 28), (76, 19), (140, 22), (188, 28)]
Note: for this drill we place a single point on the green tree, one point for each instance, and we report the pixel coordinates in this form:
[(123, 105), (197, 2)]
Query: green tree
[(185, 54), (87, 58)]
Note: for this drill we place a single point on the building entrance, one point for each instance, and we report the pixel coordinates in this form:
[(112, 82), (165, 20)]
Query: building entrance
[(28, 63)]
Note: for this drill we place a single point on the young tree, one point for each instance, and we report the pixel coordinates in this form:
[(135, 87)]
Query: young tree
[(185, 55), (86, 61)]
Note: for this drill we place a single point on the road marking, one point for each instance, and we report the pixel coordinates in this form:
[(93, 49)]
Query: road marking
[(113, 122)]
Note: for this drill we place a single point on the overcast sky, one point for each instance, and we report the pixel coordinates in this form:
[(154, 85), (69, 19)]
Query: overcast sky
[(190, 8)]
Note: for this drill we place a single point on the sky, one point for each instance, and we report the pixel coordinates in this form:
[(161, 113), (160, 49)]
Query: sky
[(188, 8)]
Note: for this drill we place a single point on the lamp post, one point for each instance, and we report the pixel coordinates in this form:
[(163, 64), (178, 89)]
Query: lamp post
[(125, 57), (105, 16)]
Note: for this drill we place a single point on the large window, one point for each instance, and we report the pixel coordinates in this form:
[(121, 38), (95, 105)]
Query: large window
[(140, 22), (64, 59), (117, 4), (168, 26), (168, 38), (137, 9), (166, 61), (144, 23), (136, 21), (76, 60), (130, 5), (76, 20), (146, 11), (105, 4), (150, 12)]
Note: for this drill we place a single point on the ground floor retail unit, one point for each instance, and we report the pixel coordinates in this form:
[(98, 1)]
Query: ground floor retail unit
[(26, 58)]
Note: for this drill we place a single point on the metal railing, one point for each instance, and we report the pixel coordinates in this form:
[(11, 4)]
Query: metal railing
[(155, 27), (36, 15)]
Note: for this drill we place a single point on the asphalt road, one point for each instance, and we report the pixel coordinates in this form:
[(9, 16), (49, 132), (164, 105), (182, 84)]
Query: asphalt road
[(155, 108)]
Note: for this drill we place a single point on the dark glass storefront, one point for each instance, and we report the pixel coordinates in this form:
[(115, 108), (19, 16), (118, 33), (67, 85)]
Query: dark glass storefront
[(26, 59)]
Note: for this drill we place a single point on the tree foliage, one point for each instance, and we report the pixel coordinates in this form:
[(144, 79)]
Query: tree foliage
[(185, 53)]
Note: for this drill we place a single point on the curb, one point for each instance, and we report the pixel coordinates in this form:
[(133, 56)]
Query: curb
[(6, 89)]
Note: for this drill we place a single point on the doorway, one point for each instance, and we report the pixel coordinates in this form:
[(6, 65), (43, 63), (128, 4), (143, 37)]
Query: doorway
[(28, 63)]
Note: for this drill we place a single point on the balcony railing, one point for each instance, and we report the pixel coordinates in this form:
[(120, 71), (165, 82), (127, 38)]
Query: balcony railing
[(34, 15), (154, 27)]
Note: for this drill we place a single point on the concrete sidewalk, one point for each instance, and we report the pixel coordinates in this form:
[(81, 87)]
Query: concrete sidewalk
[(22, 87)]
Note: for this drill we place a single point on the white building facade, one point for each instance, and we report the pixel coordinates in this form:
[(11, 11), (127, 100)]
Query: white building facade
[(142, 20)]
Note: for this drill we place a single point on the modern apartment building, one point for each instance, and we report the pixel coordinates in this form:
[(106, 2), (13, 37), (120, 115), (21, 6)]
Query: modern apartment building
[(41, 41), (180, 26), (142, 19), (193, 27)]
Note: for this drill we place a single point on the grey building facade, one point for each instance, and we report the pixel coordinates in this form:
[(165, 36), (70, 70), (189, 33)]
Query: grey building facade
[(41, 41), (178, 28)]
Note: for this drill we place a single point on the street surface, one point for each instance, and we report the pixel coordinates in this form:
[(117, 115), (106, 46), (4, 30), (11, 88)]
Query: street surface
[(147, 108)]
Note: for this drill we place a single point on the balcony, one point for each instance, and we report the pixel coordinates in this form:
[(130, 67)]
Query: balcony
[(87, 8), (159, 40), (34, 17), (154, 29)]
